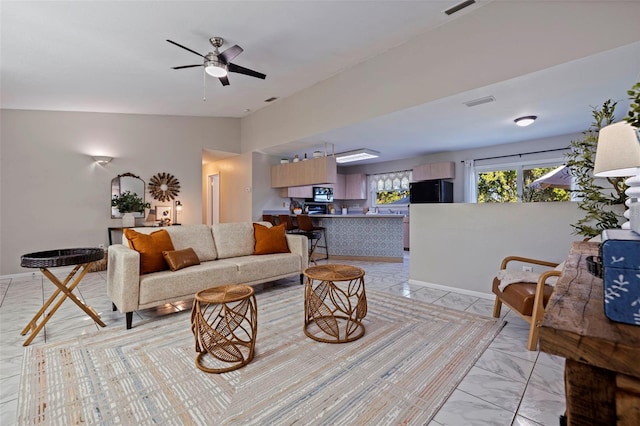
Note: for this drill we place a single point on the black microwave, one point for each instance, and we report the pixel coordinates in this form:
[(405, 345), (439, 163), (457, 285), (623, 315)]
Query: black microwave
[(322, 194)]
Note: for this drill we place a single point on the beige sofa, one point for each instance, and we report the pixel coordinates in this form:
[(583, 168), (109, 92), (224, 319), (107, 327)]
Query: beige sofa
[(226, 254)]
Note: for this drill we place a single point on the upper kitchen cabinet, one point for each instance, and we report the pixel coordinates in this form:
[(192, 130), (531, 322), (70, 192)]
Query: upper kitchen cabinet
[(355, 186), (297, 192), (340, 188), (444, 170), (310, 172)]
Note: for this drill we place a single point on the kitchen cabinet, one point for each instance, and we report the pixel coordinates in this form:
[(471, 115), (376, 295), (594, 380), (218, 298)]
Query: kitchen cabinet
[(300, 191), (443, 170), (340, 188), (315, 171), (356, 186)]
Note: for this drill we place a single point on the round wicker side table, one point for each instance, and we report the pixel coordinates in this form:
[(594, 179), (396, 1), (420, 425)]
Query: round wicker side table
[(334, 303), (224, 321)]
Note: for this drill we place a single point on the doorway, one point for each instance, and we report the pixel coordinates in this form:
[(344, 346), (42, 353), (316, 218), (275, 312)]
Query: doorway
[(213, 199)]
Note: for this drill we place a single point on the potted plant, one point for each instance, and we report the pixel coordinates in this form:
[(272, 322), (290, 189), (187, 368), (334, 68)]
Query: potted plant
[(602, 206), (128, 203)]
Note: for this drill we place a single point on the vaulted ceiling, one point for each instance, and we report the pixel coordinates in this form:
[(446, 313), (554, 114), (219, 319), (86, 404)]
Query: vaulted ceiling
[(113, 57)]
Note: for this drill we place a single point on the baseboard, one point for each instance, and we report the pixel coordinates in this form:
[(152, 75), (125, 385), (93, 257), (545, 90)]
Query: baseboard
[(36, 272), (488, 296), (368, 258)]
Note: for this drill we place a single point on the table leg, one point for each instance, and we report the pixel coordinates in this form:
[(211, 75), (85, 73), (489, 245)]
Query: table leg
[(67, 293), (33, 323), (313, 242)]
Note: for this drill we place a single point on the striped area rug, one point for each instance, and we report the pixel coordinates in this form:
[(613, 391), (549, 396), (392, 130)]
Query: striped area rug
[(400, 372)]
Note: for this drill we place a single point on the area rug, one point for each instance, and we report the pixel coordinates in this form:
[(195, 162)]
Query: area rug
[(410, 359)]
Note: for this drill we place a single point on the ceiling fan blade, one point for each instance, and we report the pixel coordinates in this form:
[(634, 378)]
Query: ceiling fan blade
[(187, 66), (185, 48), (229, 54), (245, 71), (224, 80)]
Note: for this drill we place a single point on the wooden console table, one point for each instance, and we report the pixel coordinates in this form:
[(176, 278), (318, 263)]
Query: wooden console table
[(602, 369)]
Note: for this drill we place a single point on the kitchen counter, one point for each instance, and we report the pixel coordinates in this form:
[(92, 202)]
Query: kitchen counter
[(356, 215), (378, 237)]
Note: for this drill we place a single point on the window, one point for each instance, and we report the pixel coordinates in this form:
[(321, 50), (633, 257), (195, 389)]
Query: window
[(390, 188), (527, 182)]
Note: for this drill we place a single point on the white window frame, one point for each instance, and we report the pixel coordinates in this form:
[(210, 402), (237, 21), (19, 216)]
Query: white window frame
[(373, 188), (519, 167)]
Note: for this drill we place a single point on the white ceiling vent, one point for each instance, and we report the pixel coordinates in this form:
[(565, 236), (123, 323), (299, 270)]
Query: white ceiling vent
[(458, 7), (480, 101)]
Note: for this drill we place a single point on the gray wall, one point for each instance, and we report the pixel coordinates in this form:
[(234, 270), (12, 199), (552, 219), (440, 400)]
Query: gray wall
[(462, 245), (54, 196)]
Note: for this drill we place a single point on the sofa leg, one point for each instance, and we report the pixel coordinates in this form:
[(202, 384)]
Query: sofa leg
[(301, 279), (129, 316), (113, 307)]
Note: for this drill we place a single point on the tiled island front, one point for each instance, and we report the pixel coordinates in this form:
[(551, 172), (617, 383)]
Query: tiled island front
[(364, 237)]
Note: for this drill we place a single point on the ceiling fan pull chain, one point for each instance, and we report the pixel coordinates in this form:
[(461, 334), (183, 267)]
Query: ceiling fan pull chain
[(204, 86)]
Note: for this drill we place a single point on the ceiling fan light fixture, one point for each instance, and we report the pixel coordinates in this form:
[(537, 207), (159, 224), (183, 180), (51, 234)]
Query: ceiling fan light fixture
[(357, 155), (215, 69), (525, 121)]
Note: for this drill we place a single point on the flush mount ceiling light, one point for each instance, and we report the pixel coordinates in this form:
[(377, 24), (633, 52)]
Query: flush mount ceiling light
[(357, 155), (101, 159), (525, 121)]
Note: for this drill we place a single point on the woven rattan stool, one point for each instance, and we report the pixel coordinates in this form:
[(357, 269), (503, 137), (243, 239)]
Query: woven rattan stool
[(334, 303), (224, 321)]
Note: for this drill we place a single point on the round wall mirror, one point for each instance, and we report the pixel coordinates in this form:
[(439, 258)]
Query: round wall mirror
[(126, 182)]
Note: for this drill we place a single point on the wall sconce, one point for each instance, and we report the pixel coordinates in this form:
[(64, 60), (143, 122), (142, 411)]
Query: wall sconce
[(178, 211), (102, 159)]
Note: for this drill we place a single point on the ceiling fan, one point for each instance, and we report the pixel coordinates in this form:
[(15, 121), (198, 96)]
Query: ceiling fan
[(218, 64)]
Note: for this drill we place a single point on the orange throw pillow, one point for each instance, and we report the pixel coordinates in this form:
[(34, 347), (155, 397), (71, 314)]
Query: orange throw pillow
[(150, 248), (270, 240), (179, 259)]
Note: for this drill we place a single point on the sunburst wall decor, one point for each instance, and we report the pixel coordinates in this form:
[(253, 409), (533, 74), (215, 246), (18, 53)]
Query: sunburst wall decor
[(164, 187)]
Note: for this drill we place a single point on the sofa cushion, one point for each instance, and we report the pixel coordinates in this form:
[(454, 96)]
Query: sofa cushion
[(234, 239), (252, 268), (197, 237), (168, 286), (150, 248), (270, 240), (179, 259)]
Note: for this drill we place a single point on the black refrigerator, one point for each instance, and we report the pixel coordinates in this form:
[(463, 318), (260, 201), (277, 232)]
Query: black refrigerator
[(431, 191)]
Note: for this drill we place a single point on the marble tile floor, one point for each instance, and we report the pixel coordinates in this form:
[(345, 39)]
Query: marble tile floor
[(508, 385)]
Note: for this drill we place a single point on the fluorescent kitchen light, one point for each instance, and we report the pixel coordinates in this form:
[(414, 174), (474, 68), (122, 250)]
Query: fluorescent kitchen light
[(357, 155)]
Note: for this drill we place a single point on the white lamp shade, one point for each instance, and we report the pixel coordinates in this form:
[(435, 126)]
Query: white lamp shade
[(618, 152)]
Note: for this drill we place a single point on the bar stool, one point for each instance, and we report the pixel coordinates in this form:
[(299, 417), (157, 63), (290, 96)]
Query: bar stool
[(306, 225), (288, 223), (269, 218)]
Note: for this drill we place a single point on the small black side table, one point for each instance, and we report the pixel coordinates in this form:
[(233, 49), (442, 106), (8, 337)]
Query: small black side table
[(83, 258)]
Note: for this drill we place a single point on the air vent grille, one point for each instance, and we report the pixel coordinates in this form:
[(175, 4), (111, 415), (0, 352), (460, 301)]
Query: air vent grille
[(480, 101), (459, 7)]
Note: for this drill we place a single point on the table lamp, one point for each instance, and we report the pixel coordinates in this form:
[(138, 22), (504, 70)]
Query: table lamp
[(618, 155)]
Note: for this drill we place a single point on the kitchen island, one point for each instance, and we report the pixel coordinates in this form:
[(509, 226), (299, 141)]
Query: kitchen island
[(377, 237)]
